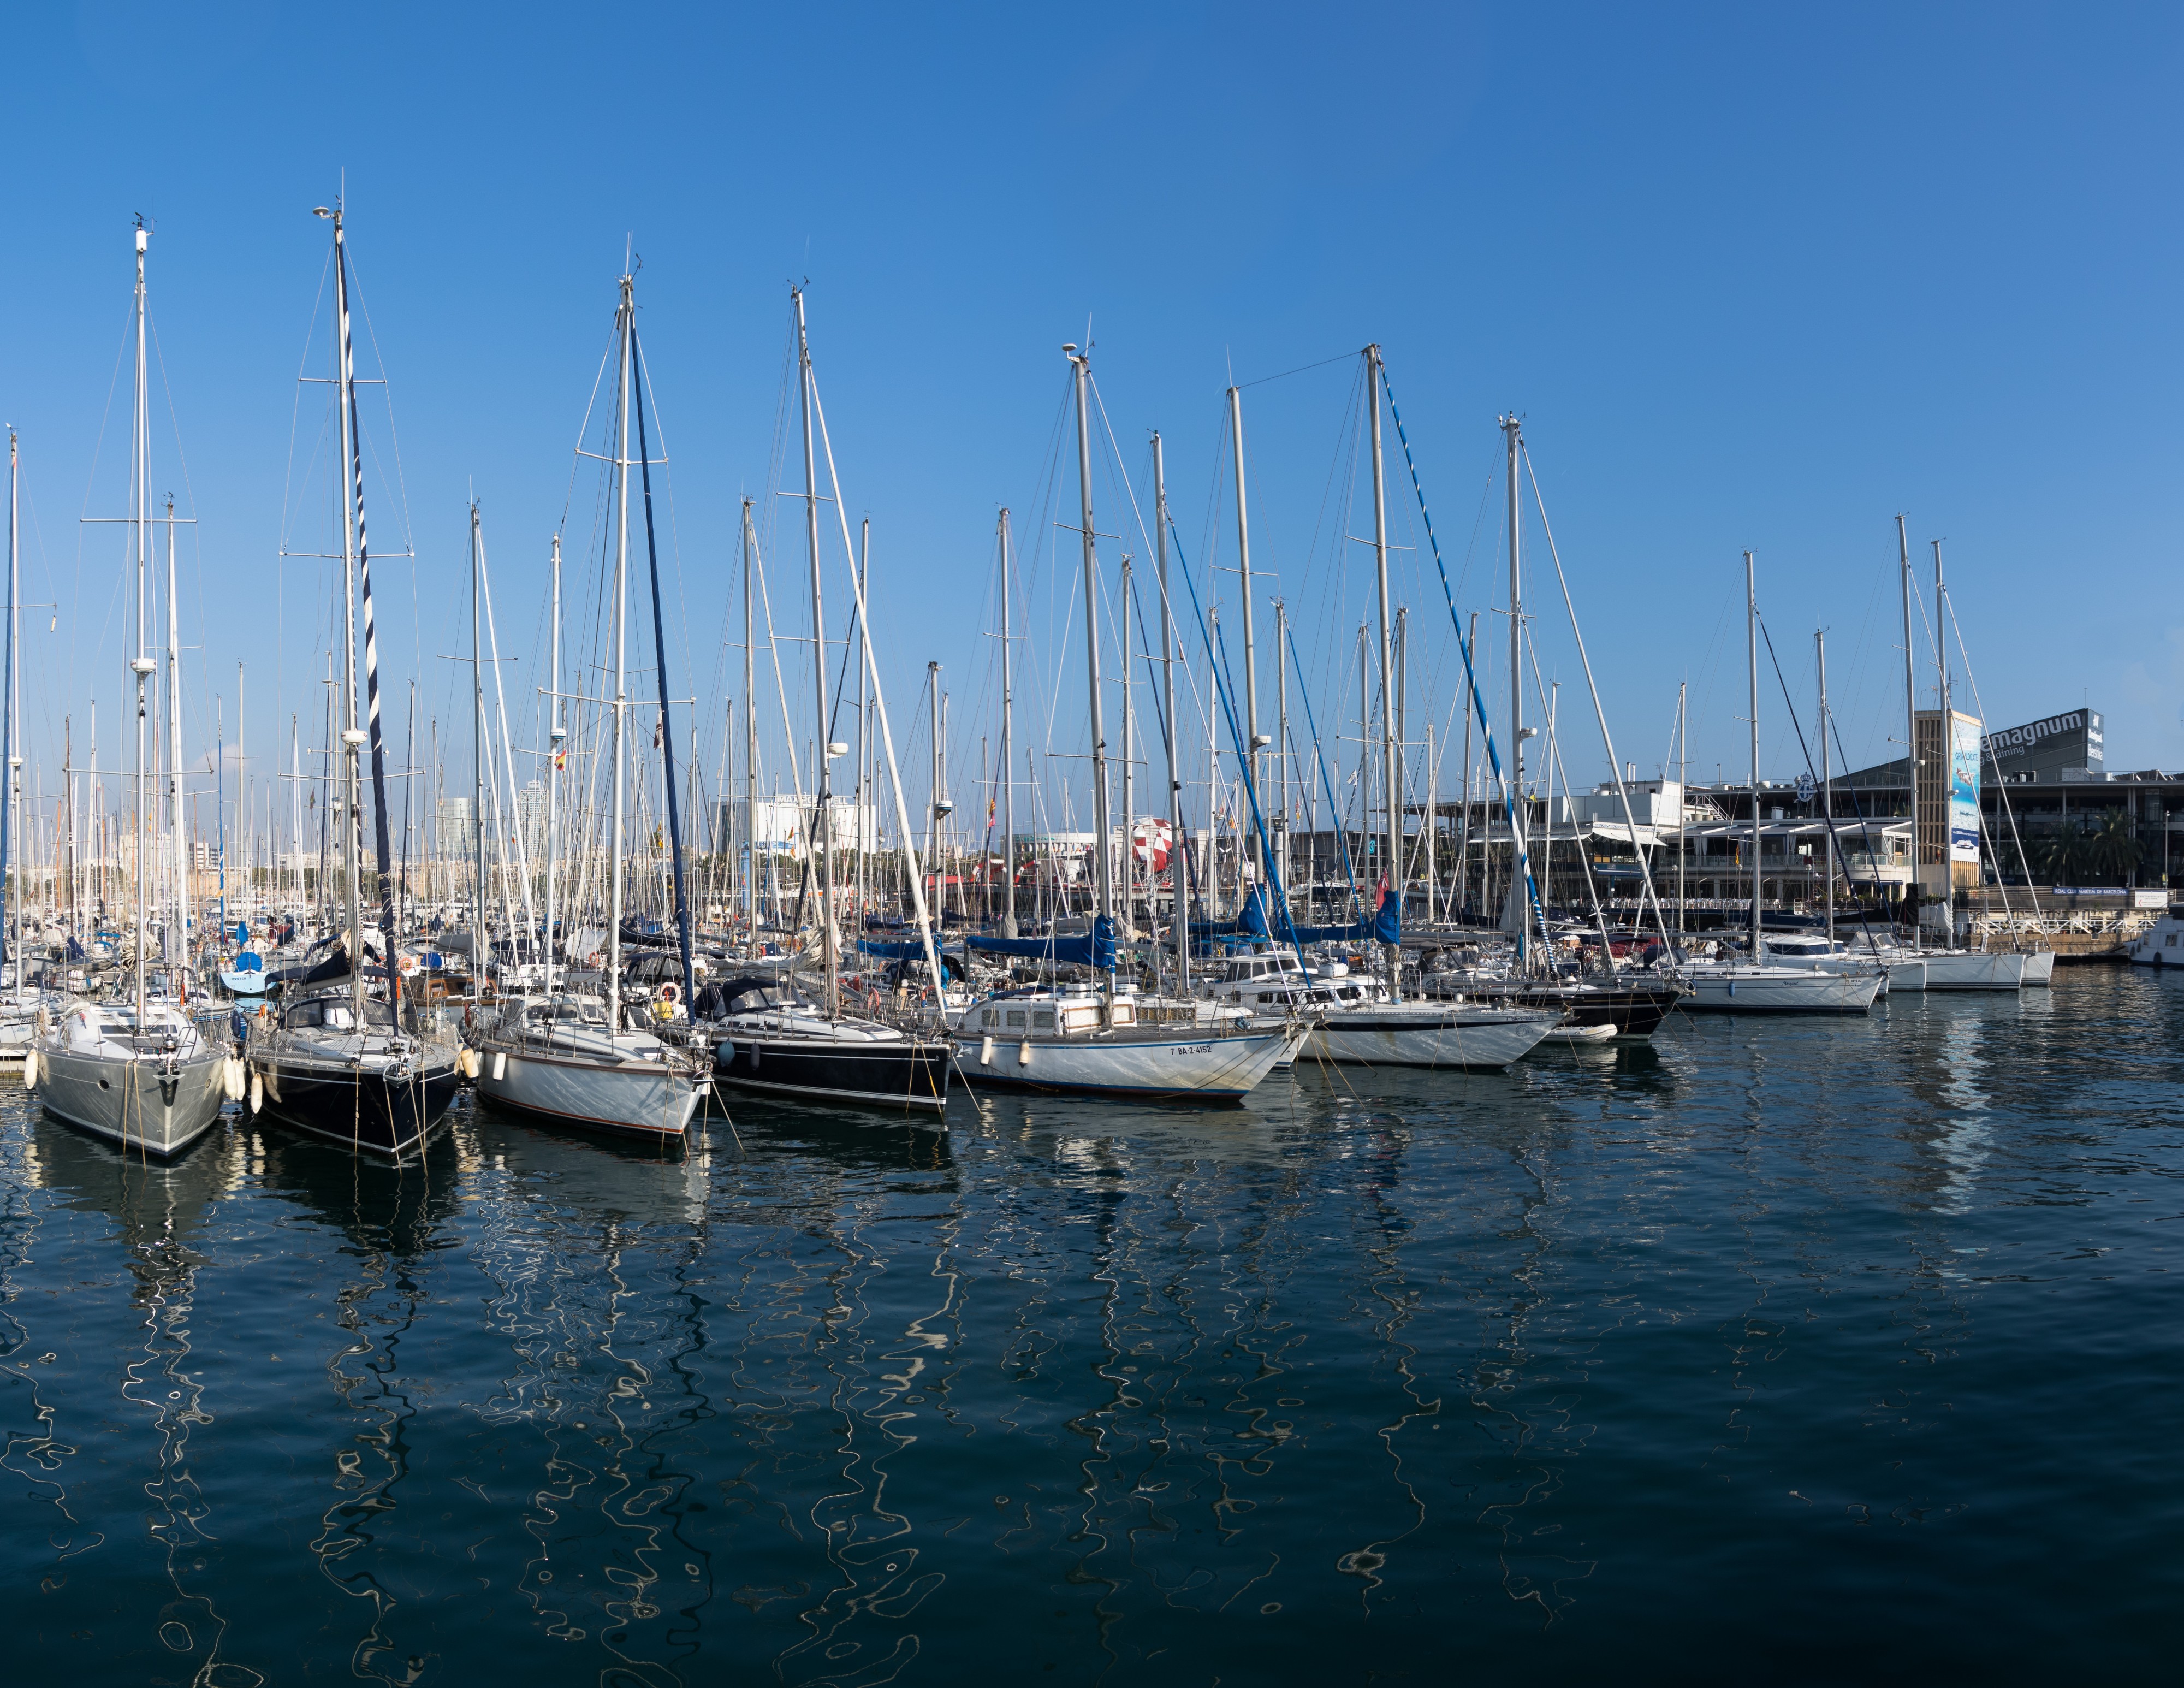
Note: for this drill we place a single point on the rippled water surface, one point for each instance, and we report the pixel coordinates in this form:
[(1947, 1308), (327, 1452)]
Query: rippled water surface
[(1777, 1351)]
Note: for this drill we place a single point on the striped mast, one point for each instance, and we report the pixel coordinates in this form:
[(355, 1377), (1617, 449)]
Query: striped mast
[(357, 571)]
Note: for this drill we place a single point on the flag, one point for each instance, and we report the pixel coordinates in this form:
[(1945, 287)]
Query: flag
[(1380, 900), (561, 760)]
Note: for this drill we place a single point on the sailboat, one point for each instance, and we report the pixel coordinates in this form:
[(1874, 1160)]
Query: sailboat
[(143, 1072), (567, 1058), (340, 1062), (769, 1036), (1947, 968), (1383, 1027), (22, 1003), (1087, 1039), (1615, 1002), (1761, 986)]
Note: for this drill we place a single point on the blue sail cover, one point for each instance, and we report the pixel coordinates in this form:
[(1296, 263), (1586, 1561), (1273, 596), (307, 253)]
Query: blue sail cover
[(1386, 926), (912, 951), (1249, 924), (1094, 950)]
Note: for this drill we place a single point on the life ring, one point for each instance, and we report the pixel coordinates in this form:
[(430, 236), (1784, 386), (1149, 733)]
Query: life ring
[(668, 994), (591, 961)]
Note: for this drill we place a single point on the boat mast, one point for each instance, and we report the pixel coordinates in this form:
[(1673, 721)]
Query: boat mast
[(1751, 649), (1129, 855), (1080, 362), (8, 756), (681, 883), (1281, 817), (351, 735), (142, 666), (555, 738), (1178, 847), (821, 838), (940, 806), (177, 949), (1683, 800), (1827, 796), (1513, 431), (1253, 741), (1463, 838), (1008, 747), (1910, 722), (625, 323), (861, 786), (352, 512), (750, 742), (1391, 794), (1947, 784), (481, 935)]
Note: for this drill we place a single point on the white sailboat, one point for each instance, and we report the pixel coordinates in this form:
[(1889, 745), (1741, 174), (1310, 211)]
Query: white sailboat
[(1947, 968), (1382, 1029), (142, 1073), (22, 1003), (1086, 1040), (1762, 985), (572, 1060)]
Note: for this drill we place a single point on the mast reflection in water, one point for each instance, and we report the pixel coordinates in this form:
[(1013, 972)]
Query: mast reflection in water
[(1782, 1327)]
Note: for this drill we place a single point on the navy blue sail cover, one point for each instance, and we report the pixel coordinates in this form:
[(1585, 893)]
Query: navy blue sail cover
[(1094, 950)]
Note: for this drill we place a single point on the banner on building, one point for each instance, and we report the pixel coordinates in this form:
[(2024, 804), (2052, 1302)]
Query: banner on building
[(1963, 789)]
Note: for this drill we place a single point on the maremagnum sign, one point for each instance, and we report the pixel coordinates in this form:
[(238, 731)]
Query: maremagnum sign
[(2072, 739)]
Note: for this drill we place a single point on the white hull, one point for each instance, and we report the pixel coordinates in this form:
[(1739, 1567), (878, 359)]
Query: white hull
[(124, 1100), (2039, 969), (640, 1098), (1974, 969), (1781, 990), (2160, 945), (1124, 1064), (1429, 1034), (1894, 975)]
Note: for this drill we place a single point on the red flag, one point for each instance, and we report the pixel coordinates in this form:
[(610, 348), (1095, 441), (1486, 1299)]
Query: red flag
[(1381, 899)]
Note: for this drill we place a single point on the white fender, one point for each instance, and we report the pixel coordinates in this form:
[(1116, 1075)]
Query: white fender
[(230, 1078), (499, 1064), (466, 1063), (31, 1067), (1024, 1053), (257, 1092), (986, 1050)]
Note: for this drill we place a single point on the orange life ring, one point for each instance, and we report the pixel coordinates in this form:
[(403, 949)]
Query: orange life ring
[(668, 992)]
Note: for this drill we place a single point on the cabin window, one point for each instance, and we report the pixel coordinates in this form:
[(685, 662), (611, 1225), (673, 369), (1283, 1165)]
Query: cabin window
[(1043, 1021), (1016, 1019), (1125, 1014), (1076, 1019)]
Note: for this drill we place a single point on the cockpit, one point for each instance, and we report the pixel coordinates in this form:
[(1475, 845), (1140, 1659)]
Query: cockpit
[(336, 1014)]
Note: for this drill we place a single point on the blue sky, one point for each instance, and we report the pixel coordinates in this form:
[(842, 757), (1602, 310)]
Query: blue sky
[(1753, 279)]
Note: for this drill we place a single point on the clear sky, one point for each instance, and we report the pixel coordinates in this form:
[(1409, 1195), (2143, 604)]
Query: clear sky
[(1753, 277)]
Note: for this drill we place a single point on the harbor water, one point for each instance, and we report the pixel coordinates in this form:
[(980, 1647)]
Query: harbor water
[(1776, 1350)]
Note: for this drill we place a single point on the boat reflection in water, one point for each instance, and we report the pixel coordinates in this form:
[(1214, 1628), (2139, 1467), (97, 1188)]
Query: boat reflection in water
[(594, 1251), (161, 1211)]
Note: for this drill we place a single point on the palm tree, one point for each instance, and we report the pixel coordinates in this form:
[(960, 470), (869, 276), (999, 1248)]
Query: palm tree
[(2113, 846), (2061, 853)]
